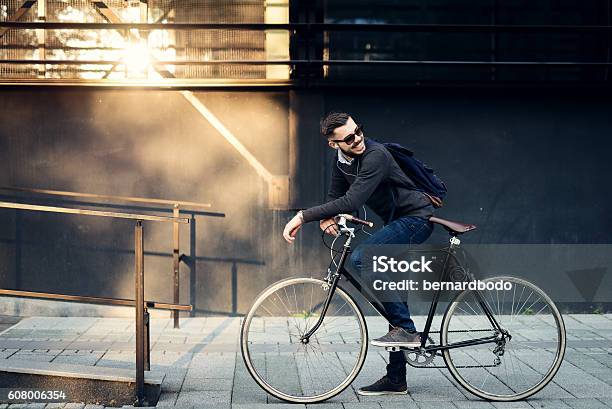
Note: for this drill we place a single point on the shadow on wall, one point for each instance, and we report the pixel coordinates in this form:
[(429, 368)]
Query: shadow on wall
[(147, 144)]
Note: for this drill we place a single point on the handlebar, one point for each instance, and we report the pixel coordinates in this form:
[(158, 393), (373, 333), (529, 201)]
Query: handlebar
[(356, 220)]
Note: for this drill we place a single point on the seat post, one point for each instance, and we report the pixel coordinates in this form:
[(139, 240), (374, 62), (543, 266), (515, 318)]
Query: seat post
[(454, 241)]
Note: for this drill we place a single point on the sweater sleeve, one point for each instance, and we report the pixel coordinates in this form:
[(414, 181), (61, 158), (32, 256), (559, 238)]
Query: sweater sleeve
[(374, 168), (338, 184)]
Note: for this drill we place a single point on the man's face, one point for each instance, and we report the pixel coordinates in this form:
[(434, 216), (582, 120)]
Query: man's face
[(336, 141)]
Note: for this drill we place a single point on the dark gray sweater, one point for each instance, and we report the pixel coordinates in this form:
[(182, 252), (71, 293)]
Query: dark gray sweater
[(370, 179)]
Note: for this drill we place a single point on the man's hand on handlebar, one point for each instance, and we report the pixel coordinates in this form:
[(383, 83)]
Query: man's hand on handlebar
[(329, 226)]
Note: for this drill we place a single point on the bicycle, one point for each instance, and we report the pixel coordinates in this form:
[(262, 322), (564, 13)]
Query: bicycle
[(304, 340)]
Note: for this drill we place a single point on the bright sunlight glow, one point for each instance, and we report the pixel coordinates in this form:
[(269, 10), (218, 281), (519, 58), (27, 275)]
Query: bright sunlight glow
[(137, 58)]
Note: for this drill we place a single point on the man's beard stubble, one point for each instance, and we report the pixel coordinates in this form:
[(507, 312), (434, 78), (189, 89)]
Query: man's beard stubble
[(349, 153)]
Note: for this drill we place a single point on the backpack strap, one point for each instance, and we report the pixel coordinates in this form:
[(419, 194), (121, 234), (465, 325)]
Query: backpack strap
[(435, 200)]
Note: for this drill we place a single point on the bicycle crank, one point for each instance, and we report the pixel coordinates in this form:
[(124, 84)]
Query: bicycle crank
[(420, 358)]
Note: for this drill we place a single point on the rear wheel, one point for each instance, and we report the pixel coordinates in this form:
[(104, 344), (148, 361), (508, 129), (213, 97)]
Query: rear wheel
[(286, 367), (514, 367)]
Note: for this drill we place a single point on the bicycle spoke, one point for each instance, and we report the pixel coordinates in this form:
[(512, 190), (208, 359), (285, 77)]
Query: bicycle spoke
[(297, 309), (518, 303), (289, 310), (468, 333), (518, 313), (310, 307), (501, 322), (538, 313), (328, 361), (498, 308), (336, 314), (532, 304)]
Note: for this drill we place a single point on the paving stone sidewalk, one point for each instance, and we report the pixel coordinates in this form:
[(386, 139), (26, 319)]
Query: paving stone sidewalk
[(204, 367)]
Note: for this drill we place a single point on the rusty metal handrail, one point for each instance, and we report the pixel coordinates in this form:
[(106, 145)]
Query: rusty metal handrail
[(176, 206), (99, 213), (123, 302), (142, 314), (108, 197)]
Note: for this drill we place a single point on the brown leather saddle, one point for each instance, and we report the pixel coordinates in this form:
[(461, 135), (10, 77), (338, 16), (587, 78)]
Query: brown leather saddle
[(454, 228)]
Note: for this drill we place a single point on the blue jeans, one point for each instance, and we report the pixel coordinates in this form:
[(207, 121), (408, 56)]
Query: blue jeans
[(405, 230)]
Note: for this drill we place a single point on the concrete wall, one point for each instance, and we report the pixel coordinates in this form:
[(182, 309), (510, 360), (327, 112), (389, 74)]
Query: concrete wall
[(527, 166), (147, 144)]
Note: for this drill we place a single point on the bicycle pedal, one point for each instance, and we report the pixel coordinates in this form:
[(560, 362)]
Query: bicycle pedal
[(397, 349)]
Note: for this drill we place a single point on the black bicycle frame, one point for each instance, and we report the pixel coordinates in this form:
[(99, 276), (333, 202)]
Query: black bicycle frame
[(379, 307)]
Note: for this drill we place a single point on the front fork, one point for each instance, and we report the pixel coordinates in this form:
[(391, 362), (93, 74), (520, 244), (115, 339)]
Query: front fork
[(332, 279)]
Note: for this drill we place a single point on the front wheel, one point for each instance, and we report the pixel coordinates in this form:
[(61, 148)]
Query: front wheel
[(515, 366), (286, 367)]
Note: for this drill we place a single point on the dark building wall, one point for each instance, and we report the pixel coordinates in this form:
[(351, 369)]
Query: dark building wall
[(527, 166), (459, 45)]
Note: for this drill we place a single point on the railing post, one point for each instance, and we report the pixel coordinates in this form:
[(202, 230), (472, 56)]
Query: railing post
[(140, 312), (176, 263), (193, 265), (18, 252), (147, 340), (234, 288)]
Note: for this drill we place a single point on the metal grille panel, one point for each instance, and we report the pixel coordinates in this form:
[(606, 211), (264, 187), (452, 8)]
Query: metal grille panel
[(17, 44), (119, 45)]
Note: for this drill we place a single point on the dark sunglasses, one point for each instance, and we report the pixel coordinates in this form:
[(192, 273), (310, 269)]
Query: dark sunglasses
[(350, 138)]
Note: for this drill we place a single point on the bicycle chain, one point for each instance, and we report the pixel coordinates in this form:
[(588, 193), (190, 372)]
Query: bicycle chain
[(429, 358), (416, 364)]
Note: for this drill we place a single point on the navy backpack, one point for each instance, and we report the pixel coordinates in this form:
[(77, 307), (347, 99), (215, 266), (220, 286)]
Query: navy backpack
[(422, 175)]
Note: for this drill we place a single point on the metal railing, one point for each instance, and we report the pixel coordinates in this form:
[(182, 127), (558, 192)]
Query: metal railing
[(177, 207), (142, 314)]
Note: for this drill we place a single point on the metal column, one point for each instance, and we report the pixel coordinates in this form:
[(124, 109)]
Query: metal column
[(147, 340), (193, 265), (140, 312), (41, 37), (176, 264)]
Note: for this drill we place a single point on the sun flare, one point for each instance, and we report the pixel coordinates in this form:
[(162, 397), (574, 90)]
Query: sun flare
[(137, 58)]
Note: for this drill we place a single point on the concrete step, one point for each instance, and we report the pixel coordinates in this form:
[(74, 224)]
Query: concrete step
[(80, 383), (7, 321)]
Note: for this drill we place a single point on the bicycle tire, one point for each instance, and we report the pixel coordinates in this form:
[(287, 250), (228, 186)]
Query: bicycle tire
[(546, 378), (275, 390)]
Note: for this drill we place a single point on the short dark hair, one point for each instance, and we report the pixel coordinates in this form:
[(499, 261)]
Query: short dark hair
[(331, 121)]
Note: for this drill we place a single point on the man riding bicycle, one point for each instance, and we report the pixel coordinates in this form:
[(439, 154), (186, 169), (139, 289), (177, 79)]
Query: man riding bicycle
[(365, 173)]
